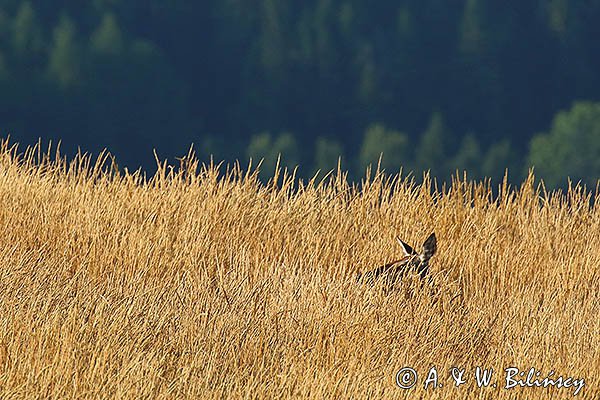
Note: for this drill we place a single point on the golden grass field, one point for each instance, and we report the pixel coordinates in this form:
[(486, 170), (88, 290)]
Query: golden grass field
[(201, 282)]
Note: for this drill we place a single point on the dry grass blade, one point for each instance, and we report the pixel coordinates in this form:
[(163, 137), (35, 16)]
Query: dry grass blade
[(200, 282)]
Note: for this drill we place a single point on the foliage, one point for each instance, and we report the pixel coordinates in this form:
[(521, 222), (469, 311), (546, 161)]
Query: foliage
[(498, 159), (64, 62), (571, 148), (431, 153), (283, 148), (388, 145), (327, 154), (468, 156), (145, 74), (107, 38)]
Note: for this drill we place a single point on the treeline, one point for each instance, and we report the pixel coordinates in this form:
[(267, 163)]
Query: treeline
[(434, 85), (569, 150)]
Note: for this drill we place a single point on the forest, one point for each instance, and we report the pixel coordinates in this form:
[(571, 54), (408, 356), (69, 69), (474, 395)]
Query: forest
[(475, 85)]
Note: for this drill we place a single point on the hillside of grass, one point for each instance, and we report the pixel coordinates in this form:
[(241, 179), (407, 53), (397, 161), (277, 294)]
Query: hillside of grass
[(202, 282)]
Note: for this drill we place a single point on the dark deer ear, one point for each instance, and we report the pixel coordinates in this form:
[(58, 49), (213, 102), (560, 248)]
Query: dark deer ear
[(429, 247), (406, 247)]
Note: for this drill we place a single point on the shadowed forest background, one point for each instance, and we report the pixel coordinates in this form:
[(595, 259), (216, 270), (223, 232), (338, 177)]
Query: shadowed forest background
[(471, 84)]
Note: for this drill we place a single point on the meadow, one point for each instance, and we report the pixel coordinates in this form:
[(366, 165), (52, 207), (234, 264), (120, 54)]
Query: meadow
[(202, 282)]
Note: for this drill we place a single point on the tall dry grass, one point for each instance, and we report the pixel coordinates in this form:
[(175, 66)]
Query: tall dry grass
[(200, 282)]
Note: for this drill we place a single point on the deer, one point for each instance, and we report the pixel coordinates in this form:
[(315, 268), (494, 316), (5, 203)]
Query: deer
[(411, 261)]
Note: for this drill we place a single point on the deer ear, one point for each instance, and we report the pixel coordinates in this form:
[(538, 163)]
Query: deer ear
[(429, 247), (406, 247)]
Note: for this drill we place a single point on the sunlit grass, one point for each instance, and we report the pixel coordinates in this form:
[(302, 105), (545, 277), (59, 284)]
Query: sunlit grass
[(201, 282)]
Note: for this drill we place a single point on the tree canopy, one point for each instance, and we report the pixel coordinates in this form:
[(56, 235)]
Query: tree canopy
[(571, 148), (442, 85)]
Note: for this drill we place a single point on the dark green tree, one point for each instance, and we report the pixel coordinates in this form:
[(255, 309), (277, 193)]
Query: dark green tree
[(107, 39), (64, 64), (430, 154), (367, 83), (27, 35), (346, 19), (264, 147), (325, 49), (134, 95), (327, 154), (468, 157), (272, 38), (392, 144), (27, 43), (405, 22), (471, 33), (557, 13), (571, 148), (498, 158)]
